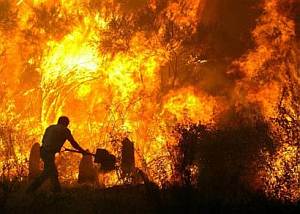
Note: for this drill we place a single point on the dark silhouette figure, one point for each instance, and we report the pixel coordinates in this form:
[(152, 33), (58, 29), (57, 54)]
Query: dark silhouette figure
[(34, 162), (53, 139)]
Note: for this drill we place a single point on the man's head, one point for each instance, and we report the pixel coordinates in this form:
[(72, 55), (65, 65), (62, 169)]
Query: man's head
[(63, 120)]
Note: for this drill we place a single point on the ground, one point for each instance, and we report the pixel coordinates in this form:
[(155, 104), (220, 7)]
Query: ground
[(135, 199)]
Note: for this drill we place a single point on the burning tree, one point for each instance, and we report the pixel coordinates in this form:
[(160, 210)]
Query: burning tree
[(272, 75), (141, 69)]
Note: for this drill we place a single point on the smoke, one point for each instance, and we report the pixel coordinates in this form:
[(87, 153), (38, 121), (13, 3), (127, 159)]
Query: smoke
[(137, 68)]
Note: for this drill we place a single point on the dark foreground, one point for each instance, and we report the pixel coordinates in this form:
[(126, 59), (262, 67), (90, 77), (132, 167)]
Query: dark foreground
[(135, 199)]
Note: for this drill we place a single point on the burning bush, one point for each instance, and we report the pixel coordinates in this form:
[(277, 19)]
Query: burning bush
[(228, 158), (149, 70)]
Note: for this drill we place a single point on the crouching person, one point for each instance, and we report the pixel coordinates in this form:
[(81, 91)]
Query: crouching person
[(53, 139)]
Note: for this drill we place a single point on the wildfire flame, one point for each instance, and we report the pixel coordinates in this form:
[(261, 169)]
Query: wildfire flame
[(113, 67)]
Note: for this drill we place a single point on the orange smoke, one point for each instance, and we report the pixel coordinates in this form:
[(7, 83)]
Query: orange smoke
[(104, 64)]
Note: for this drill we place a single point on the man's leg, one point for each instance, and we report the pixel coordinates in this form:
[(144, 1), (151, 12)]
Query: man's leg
[(54, 179), (49, 171), (38, 181)]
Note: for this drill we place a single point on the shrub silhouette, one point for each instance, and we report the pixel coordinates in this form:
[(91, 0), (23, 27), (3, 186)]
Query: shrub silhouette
[(228, 157)]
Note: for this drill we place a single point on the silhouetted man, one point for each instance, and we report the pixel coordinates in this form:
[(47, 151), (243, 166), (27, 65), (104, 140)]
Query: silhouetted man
[(53, 139)]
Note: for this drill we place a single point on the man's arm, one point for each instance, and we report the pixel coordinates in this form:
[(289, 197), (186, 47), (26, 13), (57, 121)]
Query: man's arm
[(75, 144)]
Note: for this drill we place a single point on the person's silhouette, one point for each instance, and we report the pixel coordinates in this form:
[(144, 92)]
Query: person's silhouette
[(53, 139)]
